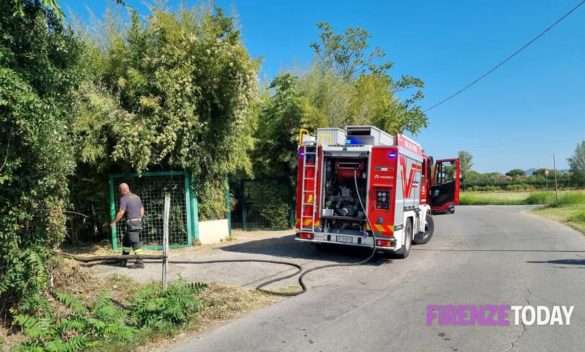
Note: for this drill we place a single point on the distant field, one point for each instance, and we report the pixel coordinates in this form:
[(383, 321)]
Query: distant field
[(569, 208), (493, 198)]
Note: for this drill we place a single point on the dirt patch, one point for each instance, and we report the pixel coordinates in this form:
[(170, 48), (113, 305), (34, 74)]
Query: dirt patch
[(221, 303), (8, 339), (71, 278)]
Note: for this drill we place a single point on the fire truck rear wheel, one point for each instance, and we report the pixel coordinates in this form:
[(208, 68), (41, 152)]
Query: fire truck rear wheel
[(405, 250), (424, 237)]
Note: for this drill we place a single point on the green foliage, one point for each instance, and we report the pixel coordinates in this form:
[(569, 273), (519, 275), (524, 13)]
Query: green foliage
[(79, 326), (565, 198), (354, 85), (466, 163), (540, 198), (345, 86), (549, 198), (157, 309), (280, 119), (540, 180), (492, 198), (176, 91), (569, 198), (578, 218), (275, 213), (348, 53), (38, 75), (516, 173), (349, 83), (577, 164)]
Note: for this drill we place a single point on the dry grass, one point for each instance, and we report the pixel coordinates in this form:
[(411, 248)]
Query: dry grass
[(71, 278), (222, 303)]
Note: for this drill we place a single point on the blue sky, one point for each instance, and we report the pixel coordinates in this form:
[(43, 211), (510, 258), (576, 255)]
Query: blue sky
[(519, 116)]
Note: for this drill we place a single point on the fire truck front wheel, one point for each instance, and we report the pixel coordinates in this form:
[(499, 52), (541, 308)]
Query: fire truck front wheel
[(424, 237), (404, 251)]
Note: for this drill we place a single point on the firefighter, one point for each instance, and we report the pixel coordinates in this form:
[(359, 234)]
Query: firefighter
[(131, 207)]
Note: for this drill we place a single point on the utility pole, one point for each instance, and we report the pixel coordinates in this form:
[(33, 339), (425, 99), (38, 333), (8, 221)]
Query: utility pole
[(556, 181), (165, 244)]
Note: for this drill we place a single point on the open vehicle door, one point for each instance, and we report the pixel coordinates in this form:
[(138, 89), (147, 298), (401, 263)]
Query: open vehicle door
[(445, 187)]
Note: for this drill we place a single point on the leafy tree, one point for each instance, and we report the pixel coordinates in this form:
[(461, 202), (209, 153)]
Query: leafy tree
[(38, 75), (577, 164), (280, 119), (516, 173), (174, 92), (466, 162), (351, 83), (348, 54)]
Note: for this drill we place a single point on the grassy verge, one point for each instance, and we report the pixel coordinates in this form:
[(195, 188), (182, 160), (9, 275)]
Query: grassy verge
[(569, 208), (85, 313)]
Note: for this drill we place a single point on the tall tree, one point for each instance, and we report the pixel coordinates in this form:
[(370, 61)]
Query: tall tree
[(350, 82), (177, 91), (577, 164), (279, 122), (38, 76), (466, 162), (516, 173)]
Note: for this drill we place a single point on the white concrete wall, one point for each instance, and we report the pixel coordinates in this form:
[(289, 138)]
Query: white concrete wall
[(213, 231)]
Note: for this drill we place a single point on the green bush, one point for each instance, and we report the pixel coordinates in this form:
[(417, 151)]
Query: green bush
[(540, 198), (174, 90), (564, 199), (78, 326), (38, 75), (157, 309), (519, 187), (269, 202), (579, 218), (570, 198)]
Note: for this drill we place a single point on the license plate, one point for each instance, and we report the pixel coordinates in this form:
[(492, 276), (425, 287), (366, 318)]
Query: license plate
[(344, 239)]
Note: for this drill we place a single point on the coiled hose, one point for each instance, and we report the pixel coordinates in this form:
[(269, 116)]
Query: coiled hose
[(96, 260), (360, 262)]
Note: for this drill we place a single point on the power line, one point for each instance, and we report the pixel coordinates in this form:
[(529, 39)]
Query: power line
[(508, 58)]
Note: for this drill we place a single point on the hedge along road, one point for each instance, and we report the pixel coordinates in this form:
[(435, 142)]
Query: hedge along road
[(479, 256)]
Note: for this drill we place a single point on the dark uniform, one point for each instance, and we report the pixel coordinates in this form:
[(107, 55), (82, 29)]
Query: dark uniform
[(132, 204)]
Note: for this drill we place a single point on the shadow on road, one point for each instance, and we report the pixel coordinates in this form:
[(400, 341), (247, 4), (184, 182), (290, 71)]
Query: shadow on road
[(287, 247), (497, 250), (559, 261)]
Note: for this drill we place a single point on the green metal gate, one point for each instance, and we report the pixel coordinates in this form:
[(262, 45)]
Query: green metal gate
[(151, 187)]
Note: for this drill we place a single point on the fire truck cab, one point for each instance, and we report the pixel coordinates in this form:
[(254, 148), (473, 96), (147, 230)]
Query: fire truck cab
[(361, 186)]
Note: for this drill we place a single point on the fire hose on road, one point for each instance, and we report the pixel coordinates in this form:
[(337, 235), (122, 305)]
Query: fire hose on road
[(96, 260)]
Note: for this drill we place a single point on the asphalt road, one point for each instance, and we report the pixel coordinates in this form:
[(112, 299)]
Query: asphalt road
[(480, 255)]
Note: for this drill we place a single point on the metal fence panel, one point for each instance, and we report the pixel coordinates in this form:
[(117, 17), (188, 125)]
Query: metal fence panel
[(151, 187)]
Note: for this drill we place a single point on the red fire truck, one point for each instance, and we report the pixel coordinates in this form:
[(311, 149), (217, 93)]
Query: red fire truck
[(360, 184)]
